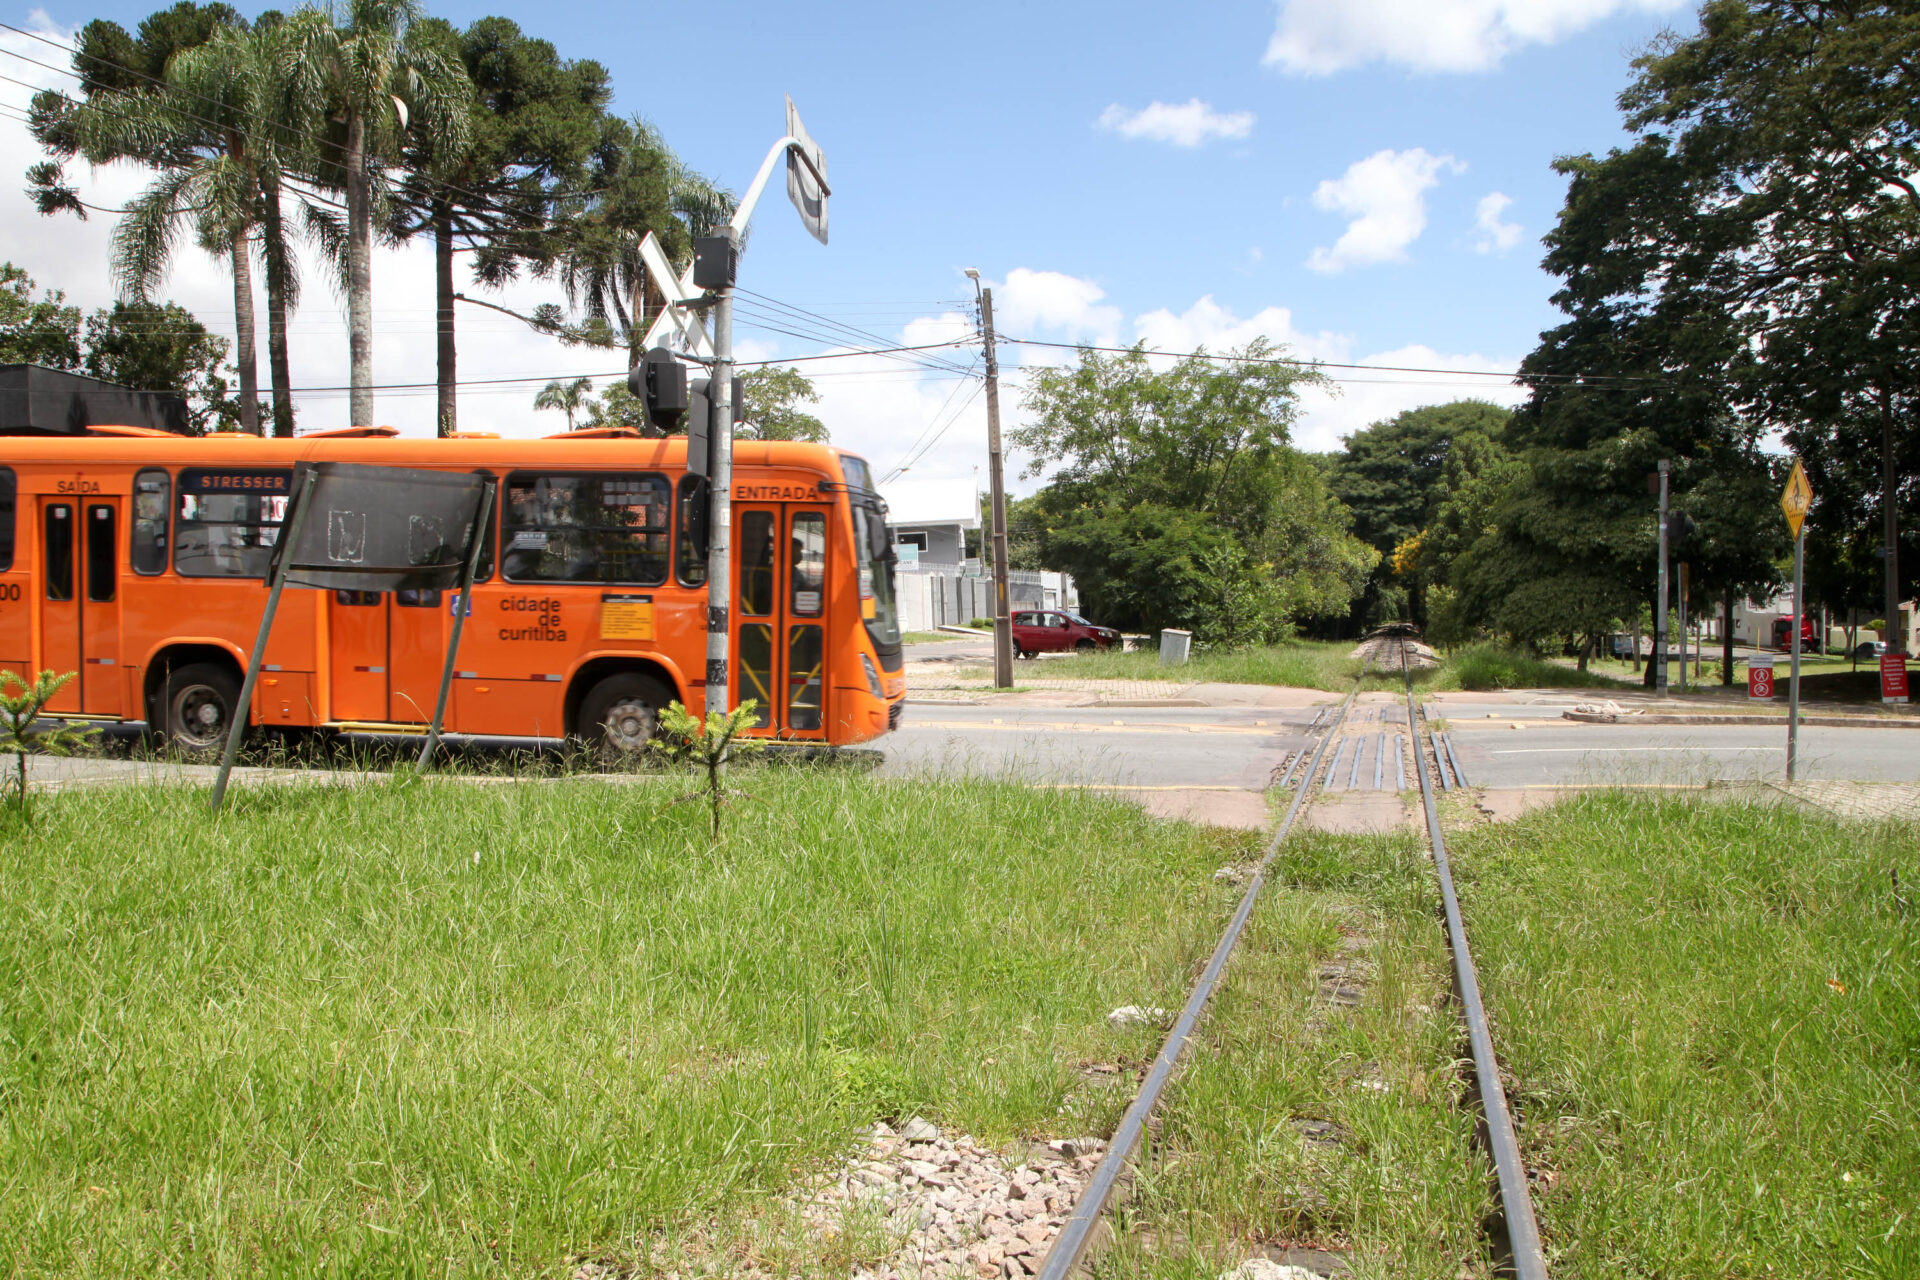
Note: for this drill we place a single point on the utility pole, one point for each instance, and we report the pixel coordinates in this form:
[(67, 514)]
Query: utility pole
[(1660, 609), (720, 487), (996, 483)]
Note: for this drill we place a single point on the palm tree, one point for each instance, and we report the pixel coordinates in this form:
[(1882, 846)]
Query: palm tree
[(208, 126), (641, 186), (357, 67), (568, 397)]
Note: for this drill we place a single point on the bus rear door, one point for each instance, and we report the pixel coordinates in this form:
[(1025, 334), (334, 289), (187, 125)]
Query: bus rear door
[(80, 608), (779, 612), (387, 653)]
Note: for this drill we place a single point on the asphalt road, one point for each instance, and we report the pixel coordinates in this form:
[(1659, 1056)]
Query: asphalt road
[(1494, 754), (1117, 746)]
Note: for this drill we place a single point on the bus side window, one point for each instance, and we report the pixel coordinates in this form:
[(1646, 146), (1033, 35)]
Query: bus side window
[(151, 501), (587, 527), (9, 488), (809, 563), (228, 521)]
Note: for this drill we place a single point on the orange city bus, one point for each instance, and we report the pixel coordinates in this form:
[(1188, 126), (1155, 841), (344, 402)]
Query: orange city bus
[(136, 558)]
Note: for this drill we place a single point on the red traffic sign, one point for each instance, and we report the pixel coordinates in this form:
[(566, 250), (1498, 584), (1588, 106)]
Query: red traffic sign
[(1760, 680), (1893, 677)]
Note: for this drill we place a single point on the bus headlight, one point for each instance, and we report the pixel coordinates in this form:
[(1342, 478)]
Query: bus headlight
[(873, 677)]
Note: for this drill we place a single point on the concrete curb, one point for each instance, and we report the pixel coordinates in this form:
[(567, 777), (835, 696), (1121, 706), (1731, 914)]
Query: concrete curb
[(1761, 721)]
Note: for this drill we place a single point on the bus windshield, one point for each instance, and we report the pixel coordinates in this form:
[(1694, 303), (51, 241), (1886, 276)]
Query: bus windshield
[(875, 555)]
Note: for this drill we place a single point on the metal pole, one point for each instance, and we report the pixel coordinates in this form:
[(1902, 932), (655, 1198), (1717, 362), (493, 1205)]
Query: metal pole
[(1793, 686), (720, 500), (1660, 609), (1890, 525), (289, 538), (1683, 626), (462, 609), (1002, 613)]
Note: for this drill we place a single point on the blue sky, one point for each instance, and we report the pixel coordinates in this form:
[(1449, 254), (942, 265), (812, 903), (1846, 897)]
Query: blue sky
[(1365, 180)]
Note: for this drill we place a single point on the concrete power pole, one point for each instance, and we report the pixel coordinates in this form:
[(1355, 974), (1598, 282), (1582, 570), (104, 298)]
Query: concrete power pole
[(1002, 614), (720, 493)]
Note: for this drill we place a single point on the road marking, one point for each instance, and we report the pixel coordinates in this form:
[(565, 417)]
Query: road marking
[(1082, 726), (1583, 751), (1121, 786)]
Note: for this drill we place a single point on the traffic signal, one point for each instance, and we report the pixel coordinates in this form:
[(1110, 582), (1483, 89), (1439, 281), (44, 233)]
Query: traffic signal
[(660, 382), (1680, 528)]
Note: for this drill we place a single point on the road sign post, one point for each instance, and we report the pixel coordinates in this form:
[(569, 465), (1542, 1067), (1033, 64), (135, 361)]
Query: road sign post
[(1794, 502), (1660, 609)]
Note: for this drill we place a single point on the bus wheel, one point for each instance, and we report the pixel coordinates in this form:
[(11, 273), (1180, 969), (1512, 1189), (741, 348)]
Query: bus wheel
[(197, 707), (622, 713)]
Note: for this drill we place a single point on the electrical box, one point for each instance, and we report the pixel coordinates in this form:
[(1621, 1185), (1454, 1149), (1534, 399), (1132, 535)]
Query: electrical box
[(716, 261)]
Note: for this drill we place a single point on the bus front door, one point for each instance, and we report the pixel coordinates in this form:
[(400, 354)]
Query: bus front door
[(779, 612), (79, 609)]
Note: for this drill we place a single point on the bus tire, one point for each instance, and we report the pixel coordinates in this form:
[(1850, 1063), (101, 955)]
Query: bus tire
[(620, 715), (197, 706)]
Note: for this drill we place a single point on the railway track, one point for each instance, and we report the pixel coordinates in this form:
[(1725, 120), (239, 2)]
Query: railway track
[(1514, 1236)]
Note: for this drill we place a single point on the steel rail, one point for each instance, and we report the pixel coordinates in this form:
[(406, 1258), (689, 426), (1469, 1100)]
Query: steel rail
[(1077, 1231), (1523, 1232)]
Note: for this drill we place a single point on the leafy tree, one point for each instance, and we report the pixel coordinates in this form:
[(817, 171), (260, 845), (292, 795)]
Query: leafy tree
[(362, 70), (534, 122), (1647, 366), (154, 348), (773, 395), (1176, 501), (619, 407), (190, 126), (568, 397), (1796, 120), (46, 332), (1389, 478)]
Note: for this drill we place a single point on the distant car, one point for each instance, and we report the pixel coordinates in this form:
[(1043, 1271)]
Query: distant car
[(1037, 631), (1869, 651)]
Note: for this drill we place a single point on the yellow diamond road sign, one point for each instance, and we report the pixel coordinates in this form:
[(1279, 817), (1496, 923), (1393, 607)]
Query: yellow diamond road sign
[(1797, 498)]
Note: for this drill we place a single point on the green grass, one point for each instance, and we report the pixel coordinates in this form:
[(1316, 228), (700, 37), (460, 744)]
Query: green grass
[(1305, 664), (1326, 665), (1711, 1014), (411, 1028), (1400, 1191), (928, 637), (1494, 666)]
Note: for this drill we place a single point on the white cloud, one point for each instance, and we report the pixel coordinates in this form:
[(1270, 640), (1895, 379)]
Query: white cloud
[(1208, 324), (1386, 196), (1187, 124), (1495, 235), (1360, 398), (1320, 37), (1029, 301)]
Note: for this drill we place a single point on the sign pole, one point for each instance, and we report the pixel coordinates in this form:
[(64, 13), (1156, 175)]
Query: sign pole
[(289, 538), (1793, 685), (462, 609)]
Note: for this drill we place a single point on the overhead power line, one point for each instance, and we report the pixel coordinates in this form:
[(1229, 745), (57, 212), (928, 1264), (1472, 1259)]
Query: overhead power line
[(1296, 362)]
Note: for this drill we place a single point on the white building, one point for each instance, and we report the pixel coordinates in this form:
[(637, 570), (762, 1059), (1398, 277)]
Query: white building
[(930, 520)]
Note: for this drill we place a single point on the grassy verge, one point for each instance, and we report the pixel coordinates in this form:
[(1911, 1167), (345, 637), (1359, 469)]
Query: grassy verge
[(1326, 664), (1305, 664), (1320, 1109), (928, 637), (1712, 1016), (412, 1028)]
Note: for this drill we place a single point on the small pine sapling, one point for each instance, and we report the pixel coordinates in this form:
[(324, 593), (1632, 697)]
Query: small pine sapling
[(20, 707), (709, 744)]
